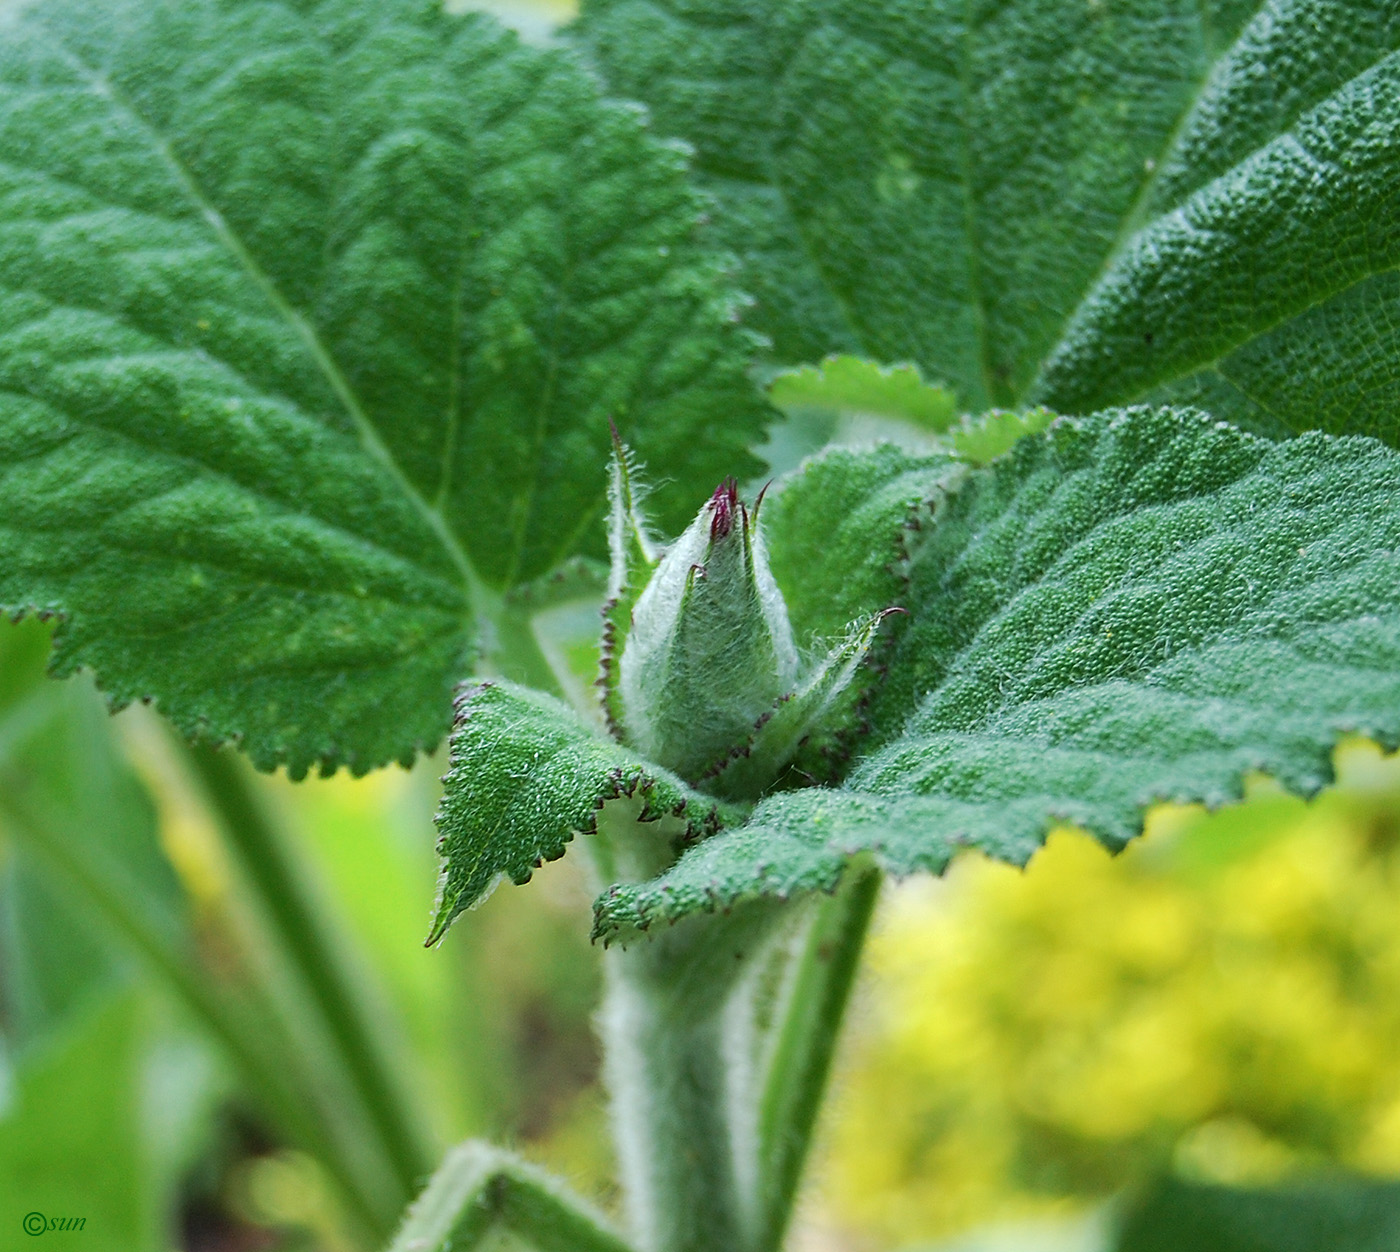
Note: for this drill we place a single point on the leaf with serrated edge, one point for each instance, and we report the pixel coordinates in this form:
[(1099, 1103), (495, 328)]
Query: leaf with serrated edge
[(1141, 606), (838, 531), (1074, 204), (981, 439), (526, 776), (848, 384), (312, 319)]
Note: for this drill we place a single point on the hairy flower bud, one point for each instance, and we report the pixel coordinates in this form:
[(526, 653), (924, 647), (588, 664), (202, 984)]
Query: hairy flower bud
[(710, 648)]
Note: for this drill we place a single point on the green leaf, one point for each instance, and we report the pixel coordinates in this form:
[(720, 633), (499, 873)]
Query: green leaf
[(526, 776), (633, 557), (838, 535), (848, 401), (1340, 1214), (312, 319), (57, 753), (72, 1143), (848, 384), (1141, 606), (1081, 205), (479, 1191), (980, 440)]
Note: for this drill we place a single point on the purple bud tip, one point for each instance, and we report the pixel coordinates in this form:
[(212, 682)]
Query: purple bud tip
[(724, 508)]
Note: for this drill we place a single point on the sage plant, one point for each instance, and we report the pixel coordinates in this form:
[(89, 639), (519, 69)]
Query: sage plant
[(321, 322)]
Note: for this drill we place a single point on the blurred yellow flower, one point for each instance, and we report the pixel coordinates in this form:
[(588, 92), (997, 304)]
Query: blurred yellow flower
[(1222, 1000)]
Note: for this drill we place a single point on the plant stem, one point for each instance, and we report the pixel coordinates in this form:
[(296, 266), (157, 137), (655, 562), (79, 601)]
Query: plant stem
[(308, 943), (674, 1079), (508, 643), (718, 1038), (800, 1061), (478, 1190)]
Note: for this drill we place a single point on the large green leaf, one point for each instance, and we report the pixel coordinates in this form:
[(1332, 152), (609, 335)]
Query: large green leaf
[(1141, 606), (312, 315), (1083, 204)]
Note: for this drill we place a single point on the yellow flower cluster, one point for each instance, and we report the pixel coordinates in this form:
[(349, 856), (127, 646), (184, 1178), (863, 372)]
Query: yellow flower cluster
[(1222, 1000)]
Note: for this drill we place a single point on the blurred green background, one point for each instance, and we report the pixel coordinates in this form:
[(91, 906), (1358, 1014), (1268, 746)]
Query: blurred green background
[(1066, 1059)]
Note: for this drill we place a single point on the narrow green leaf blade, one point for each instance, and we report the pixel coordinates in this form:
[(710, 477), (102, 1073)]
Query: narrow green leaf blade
[(74, 1143), (1081, 205), (1141, 606), (58, 755), (312, 318), (526, 776)]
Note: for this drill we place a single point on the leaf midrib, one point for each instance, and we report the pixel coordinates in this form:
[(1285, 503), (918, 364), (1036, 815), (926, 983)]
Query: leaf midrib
[(1213, 364), (368, 435), (1133, 219)]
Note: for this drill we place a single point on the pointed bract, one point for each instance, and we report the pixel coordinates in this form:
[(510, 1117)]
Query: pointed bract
[(749, 770), (634, 556)]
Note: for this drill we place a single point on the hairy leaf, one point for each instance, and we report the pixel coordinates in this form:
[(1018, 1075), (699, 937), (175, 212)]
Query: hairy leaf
[(838, 533), (526, 776), (1080, 204), (1141, 606), (312, 316)]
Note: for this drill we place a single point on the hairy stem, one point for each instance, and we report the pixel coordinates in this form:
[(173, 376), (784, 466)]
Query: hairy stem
[(804, 1044), (307, 942), (674, 1081), (719, 1033), (480, 1190)]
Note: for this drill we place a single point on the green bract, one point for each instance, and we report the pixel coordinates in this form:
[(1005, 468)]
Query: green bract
[(312, 319), (1079, 204), (526, 776)]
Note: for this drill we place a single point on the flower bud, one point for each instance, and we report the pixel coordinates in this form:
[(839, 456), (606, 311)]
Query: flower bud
[(710, 648)]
